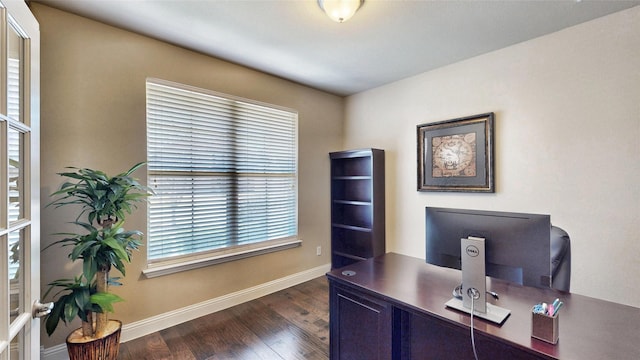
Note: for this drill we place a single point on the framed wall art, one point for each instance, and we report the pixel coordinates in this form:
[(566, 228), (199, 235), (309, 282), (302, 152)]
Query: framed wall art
[(456, 155)]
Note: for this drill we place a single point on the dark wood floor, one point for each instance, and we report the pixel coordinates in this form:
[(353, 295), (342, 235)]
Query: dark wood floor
[(290, 324)]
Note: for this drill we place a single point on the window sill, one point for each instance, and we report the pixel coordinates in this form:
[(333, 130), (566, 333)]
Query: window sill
[(171, 267)]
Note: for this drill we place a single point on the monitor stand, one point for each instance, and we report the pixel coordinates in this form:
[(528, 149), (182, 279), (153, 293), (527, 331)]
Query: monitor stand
[(494, 313), (474, 278)]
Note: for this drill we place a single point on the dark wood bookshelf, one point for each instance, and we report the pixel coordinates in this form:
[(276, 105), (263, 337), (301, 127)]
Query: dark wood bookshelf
[(357, 206)]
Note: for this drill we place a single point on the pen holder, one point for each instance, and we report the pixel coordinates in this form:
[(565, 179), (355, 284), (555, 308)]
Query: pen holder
[(545, 327)]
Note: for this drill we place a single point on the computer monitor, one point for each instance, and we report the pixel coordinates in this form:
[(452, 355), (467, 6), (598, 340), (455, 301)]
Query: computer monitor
[(516, 244)]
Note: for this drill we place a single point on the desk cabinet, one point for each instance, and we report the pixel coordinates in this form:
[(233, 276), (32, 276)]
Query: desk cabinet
[(364, 327), (392, 307), (360, 326), (426, 337)]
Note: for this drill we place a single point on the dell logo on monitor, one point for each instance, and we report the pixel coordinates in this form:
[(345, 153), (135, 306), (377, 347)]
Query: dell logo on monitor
[(472, 251)]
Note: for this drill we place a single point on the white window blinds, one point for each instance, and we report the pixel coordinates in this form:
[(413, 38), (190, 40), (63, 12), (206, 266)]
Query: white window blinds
[(14, 147), (223, 169)]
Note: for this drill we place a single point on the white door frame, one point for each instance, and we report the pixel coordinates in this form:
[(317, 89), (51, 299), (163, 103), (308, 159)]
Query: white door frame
[(24, 328)]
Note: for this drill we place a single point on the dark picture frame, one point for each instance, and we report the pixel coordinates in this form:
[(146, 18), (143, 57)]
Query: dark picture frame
[(456, 155)]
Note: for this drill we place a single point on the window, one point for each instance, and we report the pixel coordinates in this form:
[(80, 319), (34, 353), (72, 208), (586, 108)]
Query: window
[(224, 173)]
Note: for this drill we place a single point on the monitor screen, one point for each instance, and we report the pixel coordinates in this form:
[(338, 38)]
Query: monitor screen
[(516, 244)]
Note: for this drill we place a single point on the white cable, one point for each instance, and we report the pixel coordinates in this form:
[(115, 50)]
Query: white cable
[(473, 342)]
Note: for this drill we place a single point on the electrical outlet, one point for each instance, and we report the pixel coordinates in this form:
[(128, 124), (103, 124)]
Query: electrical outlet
[(319, 250)]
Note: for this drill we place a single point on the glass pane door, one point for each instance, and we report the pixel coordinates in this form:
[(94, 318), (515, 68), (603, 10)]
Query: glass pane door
[(19, 182)]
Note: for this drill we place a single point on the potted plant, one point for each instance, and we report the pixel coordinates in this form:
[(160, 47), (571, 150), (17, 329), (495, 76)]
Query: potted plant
[(101, 244)]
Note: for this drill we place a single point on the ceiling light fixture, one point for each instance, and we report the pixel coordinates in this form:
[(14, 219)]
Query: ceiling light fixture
[(340, 10)]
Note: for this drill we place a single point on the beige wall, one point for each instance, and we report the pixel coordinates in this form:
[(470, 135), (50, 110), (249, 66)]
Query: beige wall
[(567, 131), (93, 115), (567, 125)]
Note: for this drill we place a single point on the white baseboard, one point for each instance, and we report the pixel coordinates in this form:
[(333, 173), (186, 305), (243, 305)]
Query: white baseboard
[(150, 325), (58, 352)]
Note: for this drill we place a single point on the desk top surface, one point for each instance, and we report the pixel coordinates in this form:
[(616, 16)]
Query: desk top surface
[(589, 328)]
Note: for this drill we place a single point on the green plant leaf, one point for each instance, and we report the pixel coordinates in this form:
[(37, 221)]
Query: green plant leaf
[(82, 299), (105, 300), (134, 168), (119, 265), (89, 268), (81, 247), (52, 320), (70, 311), (100, 195), (117, 248)]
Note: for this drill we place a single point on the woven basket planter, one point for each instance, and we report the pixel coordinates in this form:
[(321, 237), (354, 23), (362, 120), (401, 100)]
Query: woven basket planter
[(105, 348)]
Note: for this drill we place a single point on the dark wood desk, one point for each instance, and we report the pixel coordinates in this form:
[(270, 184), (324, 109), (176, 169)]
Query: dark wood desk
[(393, 308)]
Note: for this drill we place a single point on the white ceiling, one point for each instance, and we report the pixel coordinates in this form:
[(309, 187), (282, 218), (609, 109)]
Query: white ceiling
[(385, 41)]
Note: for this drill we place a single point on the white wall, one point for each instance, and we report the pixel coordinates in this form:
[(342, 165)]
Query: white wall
[(567, 141)]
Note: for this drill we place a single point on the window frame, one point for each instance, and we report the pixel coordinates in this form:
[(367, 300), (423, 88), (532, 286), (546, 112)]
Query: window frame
[(168, 265)]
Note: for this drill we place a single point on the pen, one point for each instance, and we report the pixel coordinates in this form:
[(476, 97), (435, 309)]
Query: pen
[(555, 311)]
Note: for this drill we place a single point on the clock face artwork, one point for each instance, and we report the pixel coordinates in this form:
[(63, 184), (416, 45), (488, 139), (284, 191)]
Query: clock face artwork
[(454, 155)]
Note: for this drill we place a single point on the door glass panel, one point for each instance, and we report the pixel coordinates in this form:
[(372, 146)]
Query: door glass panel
[(14, 76), (15, 351), (16, 274), (16, 175)]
